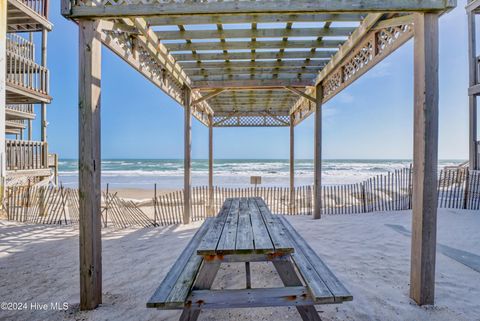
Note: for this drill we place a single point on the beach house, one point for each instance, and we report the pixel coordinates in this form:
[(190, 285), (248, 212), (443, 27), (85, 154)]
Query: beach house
[(26, 160)]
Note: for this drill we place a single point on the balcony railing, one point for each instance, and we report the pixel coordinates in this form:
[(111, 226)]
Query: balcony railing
[(24, 155), (24, 108), (39, 6), (26, 74), (20, 46)]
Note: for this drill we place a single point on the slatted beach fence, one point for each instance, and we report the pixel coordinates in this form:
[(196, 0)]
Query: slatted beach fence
[(458, 188), (58, 205)]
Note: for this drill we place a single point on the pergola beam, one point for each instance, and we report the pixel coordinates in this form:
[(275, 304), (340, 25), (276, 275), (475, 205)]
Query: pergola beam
[(258, 18), (251, 83), (302, 94), (262, 55), (255, 33), (239, 45), (206, 74), (208, 96), (161, 8), (234, 64)]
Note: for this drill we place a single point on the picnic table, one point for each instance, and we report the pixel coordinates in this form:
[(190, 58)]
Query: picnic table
[(246, 231)]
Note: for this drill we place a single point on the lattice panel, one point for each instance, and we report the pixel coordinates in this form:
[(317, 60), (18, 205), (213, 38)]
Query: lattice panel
[(149, 64), (375, 47), (251, 121)]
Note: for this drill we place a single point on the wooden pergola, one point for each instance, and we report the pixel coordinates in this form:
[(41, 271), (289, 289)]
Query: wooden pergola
[(257, 63)]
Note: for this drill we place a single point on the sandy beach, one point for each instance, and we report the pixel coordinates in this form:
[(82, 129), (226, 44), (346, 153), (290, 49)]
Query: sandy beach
[(366, 251)]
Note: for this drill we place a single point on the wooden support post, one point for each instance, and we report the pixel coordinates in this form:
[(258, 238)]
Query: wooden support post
[(30, 136), (3, 71), (473, 80), (317, 167), (425, 158), (44, 106), (90, 49), (292, 164), (210, 165), (187, 155)]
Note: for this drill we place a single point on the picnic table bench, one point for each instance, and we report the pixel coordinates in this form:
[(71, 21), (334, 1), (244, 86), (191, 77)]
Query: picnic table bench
[(246, 231)]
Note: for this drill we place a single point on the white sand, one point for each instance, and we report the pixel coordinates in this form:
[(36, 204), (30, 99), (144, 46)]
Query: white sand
[(40, 264)]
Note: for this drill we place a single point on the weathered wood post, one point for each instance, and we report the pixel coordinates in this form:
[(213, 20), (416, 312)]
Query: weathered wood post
[(292, 164), (317, 166), (425, 158), (89, 173), (3, 71), (44, 85), (210, 166), (472, 97), (187, 155)]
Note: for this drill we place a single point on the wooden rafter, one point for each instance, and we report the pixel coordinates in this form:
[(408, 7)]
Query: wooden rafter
[(260, 18), (324, 54), (178, 8), (234, 64), (255, 33)]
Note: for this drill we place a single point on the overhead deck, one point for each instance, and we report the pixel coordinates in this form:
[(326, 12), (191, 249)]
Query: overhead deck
[(248, 49), (257, 63)]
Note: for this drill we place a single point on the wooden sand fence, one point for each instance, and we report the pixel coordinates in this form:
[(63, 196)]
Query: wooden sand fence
[(59, 205), (458, 188)]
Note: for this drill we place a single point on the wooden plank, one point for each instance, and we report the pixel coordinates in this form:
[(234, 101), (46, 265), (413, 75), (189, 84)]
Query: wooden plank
[(336, 288), (254, 33), (161, 294), (251, 298), (213, 18), (237, 45), (226, 243), (425, 159), (263, 243), (235, 64), (207, 74), (275, 230), (253, 8), (245, 236), (209, 243), (245, 82), (255, 55), (89, 175)]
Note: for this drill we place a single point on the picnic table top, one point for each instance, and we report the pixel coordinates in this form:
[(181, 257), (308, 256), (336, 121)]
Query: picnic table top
[(245, 226)]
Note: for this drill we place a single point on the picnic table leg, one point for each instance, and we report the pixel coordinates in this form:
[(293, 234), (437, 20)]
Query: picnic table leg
[(204, 281), (289, 277)]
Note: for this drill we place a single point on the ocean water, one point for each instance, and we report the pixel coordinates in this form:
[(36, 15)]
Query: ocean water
[(168, 173)]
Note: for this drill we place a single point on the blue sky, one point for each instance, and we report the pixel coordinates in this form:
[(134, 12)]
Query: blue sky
[(370, 119)]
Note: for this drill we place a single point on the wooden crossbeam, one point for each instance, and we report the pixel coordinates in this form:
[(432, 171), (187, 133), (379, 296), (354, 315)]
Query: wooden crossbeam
[(255, 33), (251, 83), (233, 64), (261, 18), (254, 55), (251, 71), (259, 77), (161, 8), (393, 22), (301, 94), (237, 45), (208, 96)]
